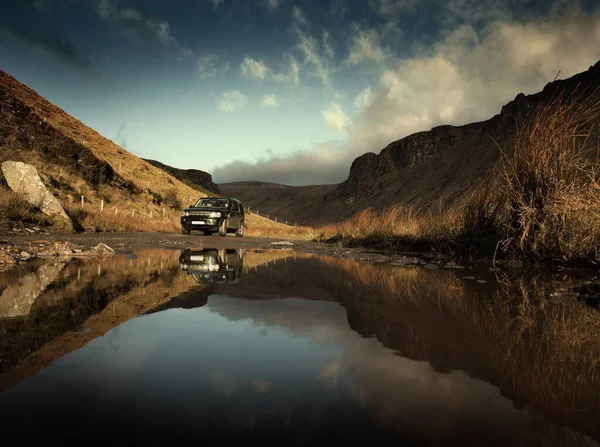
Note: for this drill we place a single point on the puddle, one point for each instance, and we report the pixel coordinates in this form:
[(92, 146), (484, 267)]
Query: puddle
[(293, 347)]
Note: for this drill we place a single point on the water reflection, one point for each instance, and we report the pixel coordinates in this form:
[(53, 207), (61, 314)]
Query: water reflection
[(302, 345), (213, 266)]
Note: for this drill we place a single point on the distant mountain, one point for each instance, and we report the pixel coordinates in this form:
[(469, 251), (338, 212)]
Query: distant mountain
[(193, 176), (430, 170), (291, 203)]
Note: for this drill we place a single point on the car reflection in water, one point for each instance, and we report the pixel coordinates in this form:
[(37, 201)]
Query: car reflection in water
[(213, 266)]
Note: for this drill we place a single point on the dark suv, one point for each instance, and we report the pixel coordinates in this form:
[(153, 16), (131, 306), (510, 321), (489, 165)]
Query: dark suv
[(214, 214)]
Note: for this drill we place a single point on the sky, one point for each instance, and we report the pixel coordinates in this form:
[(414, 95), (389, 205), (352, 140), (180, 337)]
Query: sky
[(288, 91)]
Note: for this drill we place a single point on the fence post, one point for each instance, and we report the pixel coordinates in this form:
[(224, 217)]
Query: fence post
[(81, 201), (116, 210), (132, 213), (102, 205)]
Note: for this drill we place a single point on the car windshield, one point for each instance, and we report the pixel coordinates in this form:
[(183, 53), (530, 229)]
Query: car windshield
[(212, 203)]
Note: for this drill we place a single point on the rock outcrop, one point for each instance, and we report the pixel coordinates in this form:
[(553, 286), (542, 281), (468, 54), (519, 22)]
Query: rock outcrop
[(430, 170), (24, 179)]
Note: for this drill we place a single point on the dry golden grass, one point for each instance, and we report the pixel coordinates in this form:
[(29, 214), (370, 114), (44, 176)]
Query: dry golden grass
[(14, 207), (542, 202), (114, 220), (260, 226)]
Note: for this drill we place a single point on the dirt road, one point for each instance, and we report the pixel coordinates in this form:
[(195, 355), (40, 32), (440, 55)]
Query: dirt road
[(124, 242)]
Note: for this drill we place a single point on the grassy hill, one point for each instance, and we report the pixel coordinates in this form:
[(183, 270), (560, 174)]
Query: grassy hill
[(120, 190)]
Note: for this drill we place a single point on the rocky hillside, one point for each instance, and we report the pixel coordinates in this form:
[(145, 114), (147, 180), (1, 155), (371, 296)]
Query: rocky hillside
[(190, 177), (74, 160), (430, 170)]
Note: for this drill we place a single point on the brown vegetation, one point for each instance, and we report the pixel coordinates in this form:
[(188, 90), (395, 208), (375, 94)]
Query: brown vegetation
[(542, 202)]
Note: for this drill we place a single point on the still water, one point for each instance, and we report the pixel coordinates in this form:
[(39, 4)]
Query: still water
[(170, 346)]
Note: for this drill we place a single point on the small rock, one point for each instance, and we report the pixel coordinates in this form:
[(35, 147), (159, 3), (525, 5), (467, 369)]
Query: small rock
[(494, 269), (36, 229), (430, 266), (481, 281), (103, 250), (6, 258), (282, 244), (63, 248), (30, 231), (469, 277), (24, 256)]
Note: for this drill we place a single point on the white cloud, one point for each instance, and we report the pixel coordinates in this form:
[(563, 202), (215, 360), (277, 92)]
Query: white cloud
[(216, 3), (335, 117), (207, 65), (366, 45), (232, 100), (388, 8), (364, 99), (307, 46), (269, 100), (466, 76), (292, 76), (253, 69), (104, 8), (327, 44), (272, 5)]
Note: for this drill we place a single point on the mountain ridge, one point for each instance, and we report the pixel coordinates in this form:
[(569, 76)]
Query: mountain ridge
[(429, 170)]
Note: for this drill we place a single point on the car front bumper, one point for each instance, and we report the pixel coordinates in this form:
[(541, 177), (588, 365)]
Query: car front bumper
[(200, 223)]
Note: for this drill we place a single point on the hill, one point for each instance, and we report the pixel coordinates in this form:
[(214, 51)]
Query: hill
[(430, 170), (74, 161), (192, 177)]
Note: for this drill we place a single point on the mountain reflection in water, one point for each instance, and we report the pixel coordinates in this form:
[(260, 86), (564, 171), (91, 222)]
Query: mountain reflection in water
[(287, 344)]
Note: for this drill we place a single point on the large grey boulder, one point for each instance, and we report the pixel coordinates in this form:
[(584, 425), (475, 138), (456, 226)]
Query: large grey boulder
[(25, 179)]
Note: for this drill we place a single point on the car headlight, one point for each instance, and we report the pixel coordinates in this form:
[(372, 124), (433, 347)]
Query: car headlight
[(214, 214), (186, 213)]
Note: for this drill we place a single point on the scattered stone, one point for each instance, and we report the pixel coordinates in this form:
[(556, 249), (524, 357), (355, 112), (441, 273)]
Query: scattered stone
[(282, 244), (481, 281), (30, 231), (469, 277), (24, 256), (103, 250), (494, 269), (63, 248), (6, 258), (36, 229), (25, 179), (405, 260), (430, 266)]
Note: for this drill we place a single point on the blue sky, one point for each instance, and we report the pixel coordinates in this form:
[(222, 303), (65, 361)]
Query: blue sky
[(286, 90)]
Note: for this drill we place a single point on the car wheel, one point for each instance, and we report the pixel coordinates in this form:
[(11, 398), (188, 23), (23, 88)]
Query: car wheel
[(207, 233), (223, 228), (184, 231), (240, 230)]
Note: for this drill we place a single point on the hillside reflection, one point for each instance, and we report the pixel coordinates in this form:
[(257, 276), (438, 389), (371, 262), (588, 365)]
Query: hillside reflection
[(534, 353)]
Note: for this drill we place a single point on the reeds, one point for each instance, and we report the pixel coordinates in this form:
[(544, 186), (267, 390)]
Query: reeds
[(541, 202)]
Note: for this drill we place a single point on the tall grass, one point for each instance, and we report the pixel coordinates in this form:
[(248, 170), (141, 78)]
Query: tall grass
[(550, 184), (14, 207), (541, 202)]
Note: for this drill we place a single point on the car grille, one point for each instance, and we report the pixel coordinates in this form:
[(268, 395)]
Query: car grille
[(200, 213)]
